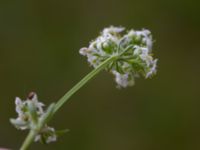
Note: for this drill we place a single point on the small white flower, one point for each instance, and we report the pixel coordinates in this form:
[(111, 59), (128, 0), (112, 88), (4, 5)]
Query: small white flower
[(83, 51), (123, 80), (37, 104), (153, 69), (113, 30), (19, 104), (46, 135), (146, 37)]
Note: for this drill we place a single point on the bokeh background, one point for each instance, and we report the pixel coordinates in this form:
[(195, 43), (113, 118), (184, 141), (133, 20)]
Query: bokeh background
[(39, 43)]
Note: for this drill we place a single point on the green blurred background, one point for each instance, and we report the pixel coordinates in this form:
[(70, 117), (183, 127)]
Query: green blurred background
[(39, 43)]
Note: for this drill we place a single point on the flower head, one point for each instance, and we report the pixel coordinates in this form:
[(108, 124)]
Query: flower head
[(133, 50), (30, 112), (46, 135)]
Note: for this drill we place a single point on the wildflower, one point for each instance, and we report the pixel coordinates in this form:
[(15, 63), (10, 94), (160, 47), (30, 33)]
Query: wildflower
[(30, 112), (46, 135), (133, 50)]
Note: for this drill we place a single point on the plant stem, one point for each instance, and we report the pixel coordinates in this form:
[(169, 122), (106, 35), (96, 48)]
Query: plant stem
[(29, 139), (31, 136), (87, 78)]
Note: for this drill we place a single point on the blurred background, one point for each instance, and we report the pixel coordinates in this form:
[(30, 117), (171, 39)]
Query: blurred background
[(39, 44)]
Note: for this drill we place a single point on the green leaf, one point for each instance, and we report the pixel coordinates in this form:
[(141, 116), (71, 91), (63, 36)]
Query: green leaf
[(61, 132)]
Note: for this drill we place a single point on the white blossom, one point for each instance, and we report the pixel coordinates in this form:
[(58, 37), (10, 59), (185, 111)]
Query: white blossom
[(153, 69), (113, 30), (19, 105), (37, 104), (46, 135), (123, 80)]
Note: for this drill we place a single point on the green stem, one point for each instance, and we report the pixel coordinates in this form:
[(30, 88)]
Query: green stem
[(83, 82), (31, 136), (29, 139)]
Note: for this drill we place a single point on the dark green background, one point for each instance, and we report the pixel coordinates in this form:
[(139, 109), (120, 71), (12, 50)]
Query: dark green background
[(39, 44)]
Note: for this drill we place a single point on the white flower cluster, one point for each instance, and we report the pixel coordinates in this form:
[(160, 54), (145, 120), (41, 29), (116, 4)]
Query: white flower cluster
[(26, 120), (47, 135), (133, 49)]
